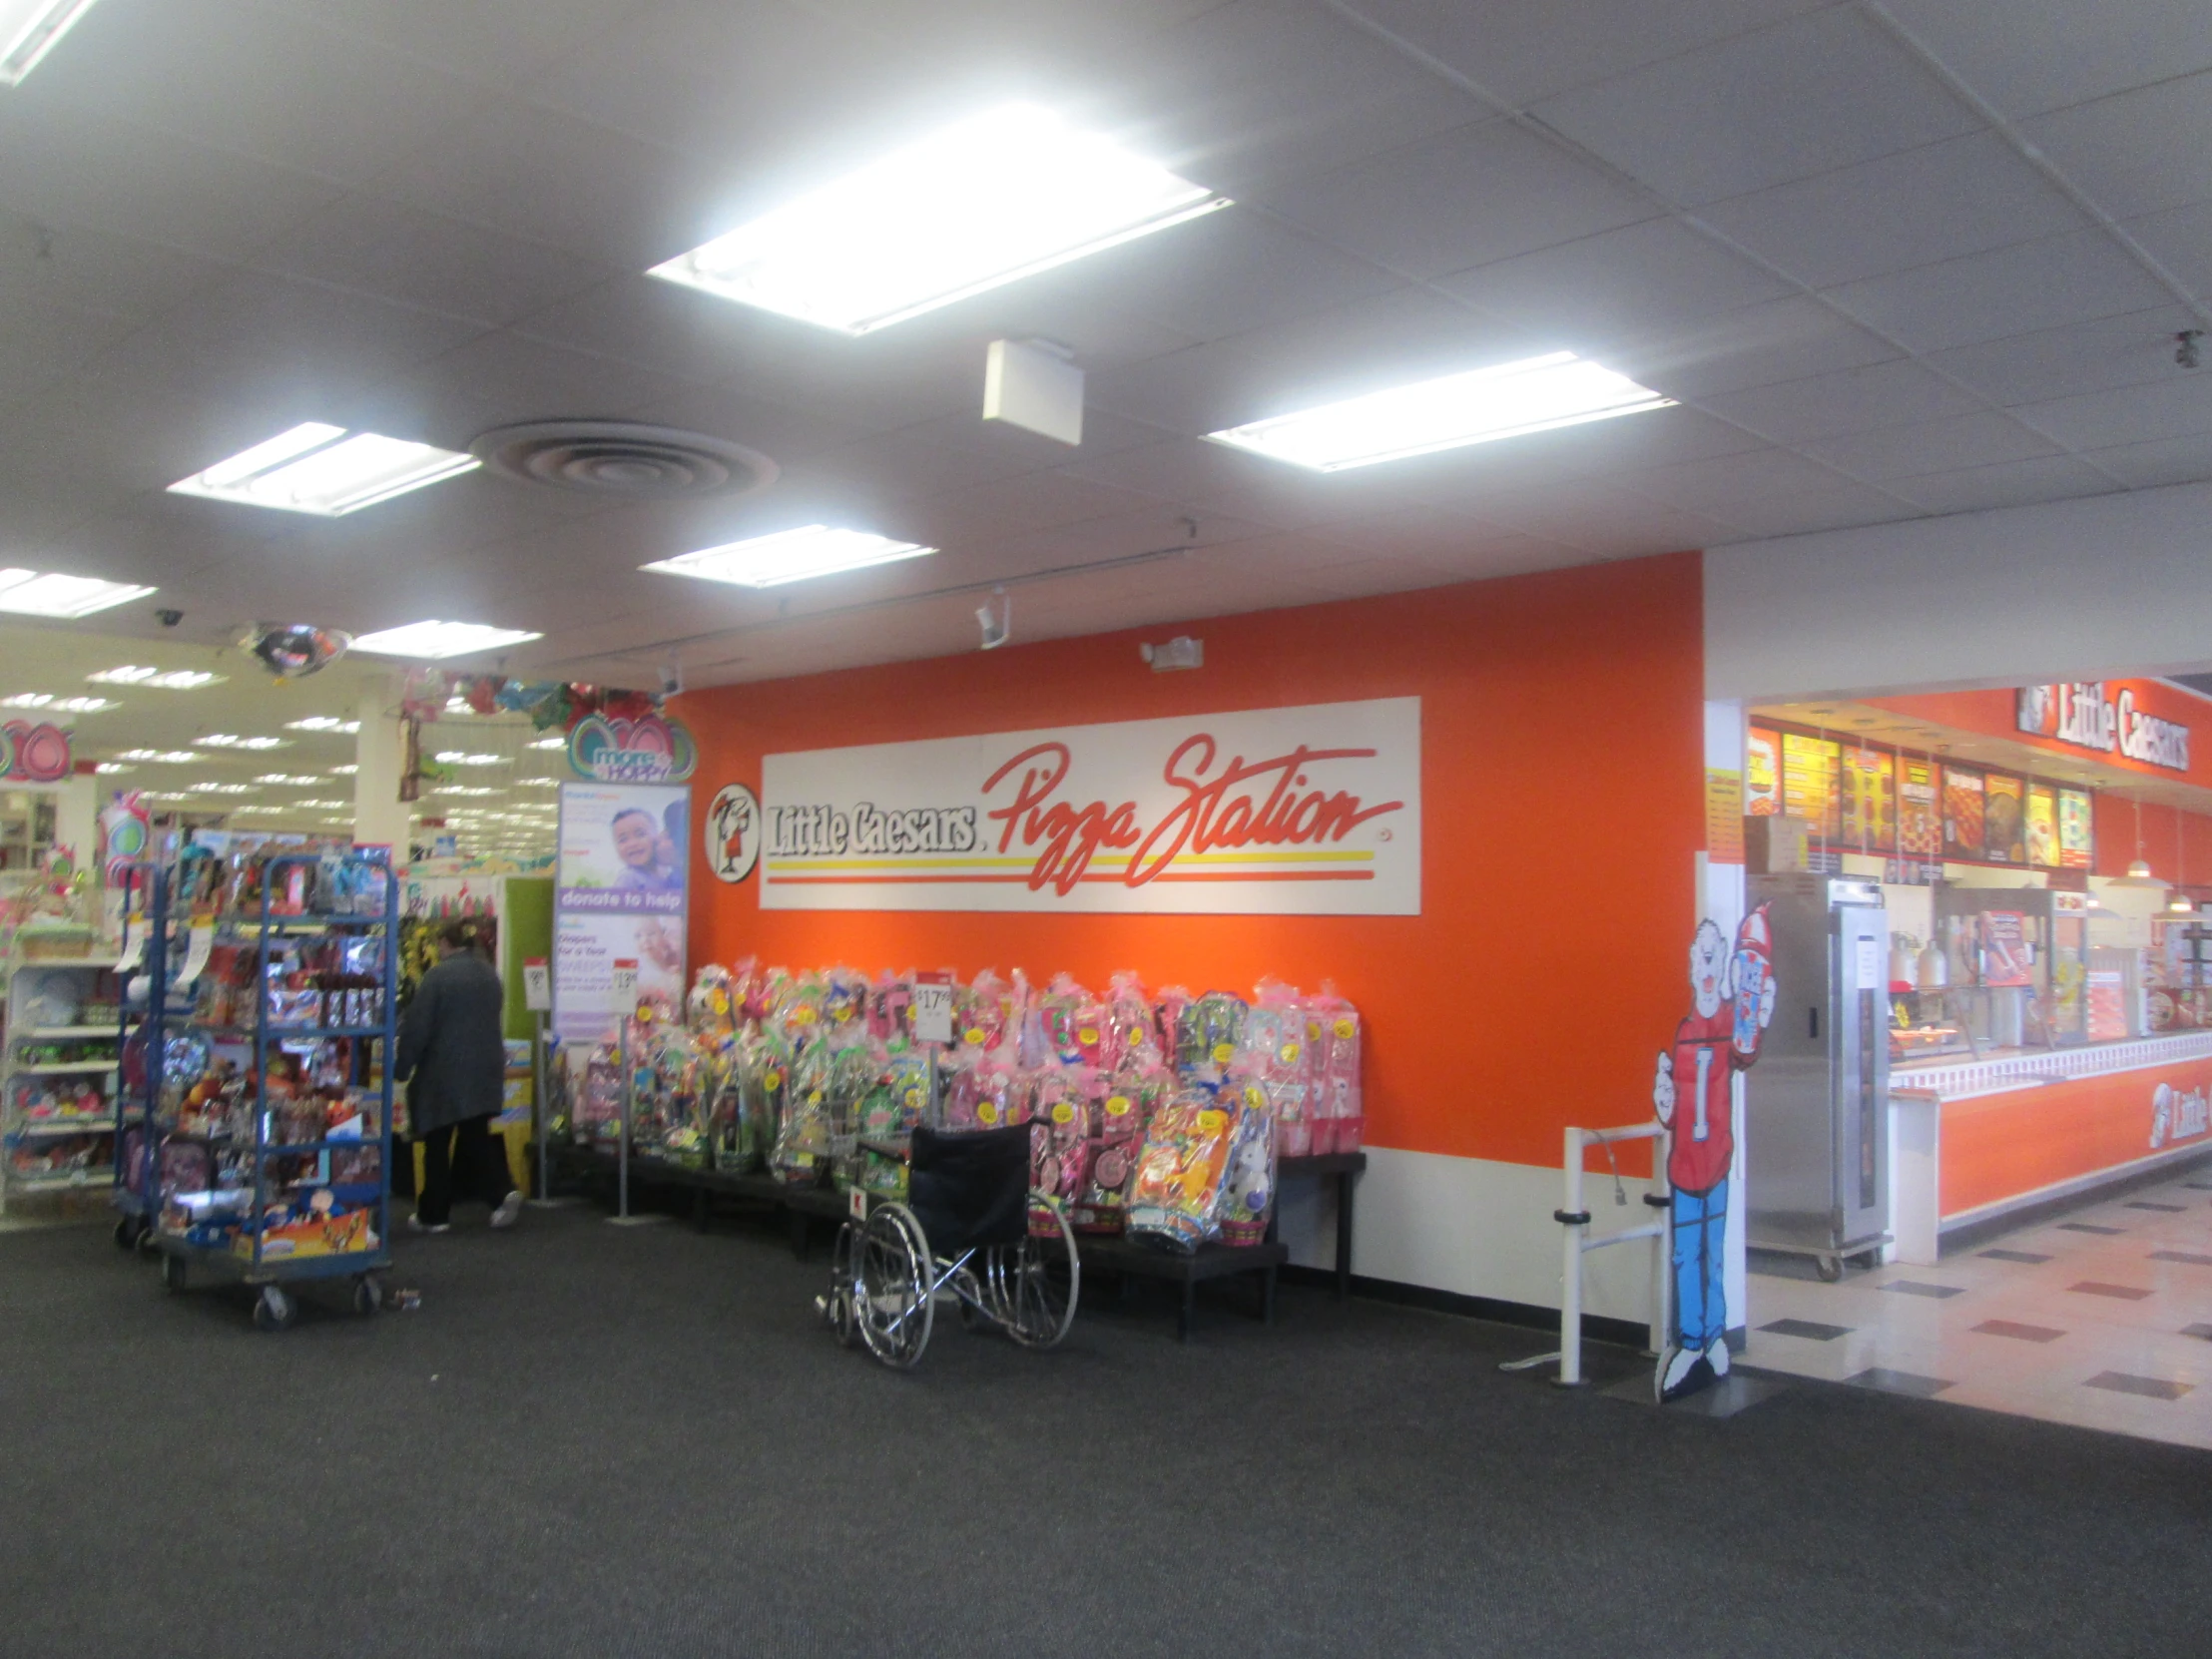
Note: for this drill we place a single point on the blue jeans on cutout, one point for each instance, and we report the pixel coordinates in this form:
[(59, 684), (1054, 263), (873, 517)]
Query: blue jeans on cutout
[(1699, 1295)]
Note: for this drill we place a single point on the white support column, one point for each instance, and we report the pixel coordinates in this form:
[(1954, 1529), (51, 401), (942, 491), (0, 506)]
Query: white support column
[(380, 817), (77, 816)]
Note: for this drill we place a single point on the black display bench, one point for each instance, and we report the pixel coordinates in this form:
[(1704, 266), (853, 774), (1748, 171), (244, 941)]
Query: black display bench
[(1125, 1259)]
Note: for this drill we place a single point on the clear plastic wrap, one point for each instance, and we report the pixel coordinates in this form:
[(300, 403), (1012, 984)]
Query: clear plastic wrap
[(1175, 1195)]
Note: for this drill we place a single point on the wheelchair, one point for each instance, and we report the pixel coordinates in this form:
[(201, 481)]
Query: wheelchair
[(964, 1233)]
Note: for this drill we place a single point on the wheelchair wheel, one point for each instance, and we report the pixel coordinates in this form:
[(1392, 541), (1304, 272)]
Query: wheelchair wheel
[(1035, 1283), (891, 1282), (838, 1305)]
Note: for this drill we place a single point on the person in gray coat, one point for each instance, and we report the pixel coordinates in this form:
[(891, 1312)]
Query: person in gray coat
[(451, 1047)]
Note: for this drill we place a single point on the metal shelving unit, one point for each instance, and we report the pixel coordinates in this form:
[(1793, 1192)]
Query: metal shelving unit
[(31, 1133), (264, 1167)]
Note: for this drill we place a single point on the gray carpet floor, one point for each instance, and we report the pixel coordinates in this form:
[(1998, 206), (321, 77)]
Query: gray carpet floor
[(597, 1441)]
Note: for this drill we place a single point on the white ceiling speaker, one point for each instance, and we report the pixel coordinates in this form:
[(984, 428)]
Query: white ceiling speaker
[(624, 458)]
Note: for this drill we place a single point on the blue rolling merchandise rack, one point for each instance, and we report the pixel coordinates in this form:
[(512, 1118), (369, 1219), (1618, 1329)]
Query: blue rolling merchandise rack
[(138, 1189), (275, 1309)]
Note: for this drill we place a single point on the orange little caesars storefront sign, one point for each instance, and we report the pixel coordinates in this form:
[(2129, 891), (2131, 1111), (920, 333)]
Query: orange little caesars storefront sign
[(2143, 726), (2002, 1146)]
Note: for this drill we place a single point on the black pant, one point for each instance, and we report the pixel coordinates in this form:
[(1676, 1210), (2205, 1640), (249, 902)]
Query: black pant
[(470, 1152)]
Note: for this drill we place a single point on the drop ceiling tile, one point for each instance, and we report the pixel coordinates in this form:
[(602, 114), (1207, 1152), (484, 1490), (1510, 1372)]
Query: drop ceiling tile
[(253, 81), (41, 342), (1394, 338), (258, 338), (2181, 241), (1915, 207), (1222, 275), (91, 271), (1013, 507), (1727, 487), (2017, 483), (2039, 55), (1952, 444), (1755, 346), (2075, 277), (1464, 198), (69, 168), (2179, 406), (1201, 388), (2185, 460), (499, 379), (781, 431), (1209, 480), (1785, 102), (1596, 518), (2139, 152), (2129, 350), (552, 177), (1838, 506), (1260, 89), (1426, 533), (1521, 53), (1616, 285), (509, 43), (372, 245), (1849, 401)]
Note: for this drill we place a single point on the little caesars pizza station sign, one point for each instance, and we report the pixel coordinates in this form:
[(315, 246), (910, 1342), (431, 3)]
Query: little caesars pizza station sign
[(1313, 811)]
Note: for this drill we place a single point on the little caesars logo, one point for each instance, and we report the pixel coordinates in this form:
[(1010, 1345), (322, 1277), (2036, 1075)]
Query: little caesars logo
[(2080, 713), (2175, 1116)]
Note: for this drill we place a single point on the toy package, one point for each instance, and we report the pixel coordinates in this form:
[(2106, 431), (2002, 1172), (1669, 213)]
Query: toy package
[(803, 1141), (1332, 1052), (1248, 1203), (1116, 1136), (1175, 1194), (1059, 1136)]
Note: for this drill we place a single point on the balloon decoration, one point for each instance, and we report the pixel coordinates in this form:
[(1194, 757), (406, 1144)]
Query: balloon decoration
[(295, 649), (34, 754), (128, 824)]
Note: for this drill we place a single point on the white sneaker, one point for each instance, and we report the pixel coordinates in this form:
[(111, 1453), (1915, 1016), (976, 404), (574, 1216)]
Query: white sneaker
[(415, 1224), (509, 1210), (1679, 1364), (1717, 1356)]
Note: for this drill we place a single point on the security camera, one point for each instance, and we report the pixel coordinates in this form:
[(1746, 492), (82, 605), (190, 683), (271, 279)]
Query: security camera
[(672, 680), (170, 619)]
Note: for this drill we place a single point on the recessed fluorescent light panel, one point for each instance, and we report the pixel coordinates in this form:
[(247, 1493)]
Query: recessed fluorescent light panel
[(322, 723), (227, 739), (996, 198), (786, 556), (180, 679), (29, 29), (429, 641), (1535, 394), (28, 593), (165, 757), (327, 471)]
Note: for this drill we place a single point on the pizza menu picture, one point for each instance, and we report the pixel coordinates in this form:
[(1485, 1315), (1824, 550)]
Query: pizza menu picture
[(1962, 803), (2004, 818), (1920, 816)]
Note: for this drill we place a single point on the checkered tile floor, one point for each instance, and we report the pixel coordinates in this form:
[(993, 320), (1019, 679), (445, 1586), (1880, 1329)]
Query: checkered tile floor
[(2103, 1320)]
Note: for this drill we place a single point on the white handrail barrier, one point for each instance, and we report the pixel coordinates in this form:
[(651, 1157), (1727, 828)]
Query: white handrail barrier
[(1576, 1220)]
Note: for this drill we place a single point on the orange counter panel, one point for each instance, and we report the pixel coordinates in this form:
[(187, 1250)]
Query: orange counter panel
[(2001, 1146)]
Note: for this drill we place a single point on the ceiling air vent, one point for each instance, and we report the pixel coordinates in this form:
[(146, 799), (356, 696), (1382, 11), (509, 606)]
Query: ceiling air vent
[(624, 458)]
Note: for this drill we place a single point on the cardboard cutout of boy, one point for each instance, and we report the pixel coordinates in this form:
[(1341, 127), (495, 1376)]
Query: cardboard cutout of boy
[(1732, 997)]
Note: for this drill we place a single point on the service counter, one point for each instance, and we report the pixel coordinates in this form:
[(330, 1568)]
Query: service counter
[(1971, 1141)]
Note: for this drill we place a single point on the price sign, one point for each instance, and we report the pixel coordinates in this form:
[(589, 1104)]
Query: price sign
[(622, 982), (537, 984), (931, 1010)]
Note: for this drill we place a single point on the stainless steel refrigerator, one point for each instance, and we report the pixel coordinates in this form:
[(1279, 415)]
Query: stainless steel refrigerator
[(1816, 1130)]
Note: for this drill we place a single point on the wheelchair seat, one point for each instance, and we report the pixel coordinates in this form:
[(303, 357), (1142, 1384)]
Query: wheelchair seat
[(971, 1190)]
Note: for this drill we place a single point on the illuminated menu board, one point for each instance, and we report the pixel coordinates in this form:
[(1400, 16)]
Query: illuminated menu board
[(2043, 825), (2004, 818), (1869, 799), (1763, 773), (2076, 828), (1962, 803), (1919, 811), (1808, 782)]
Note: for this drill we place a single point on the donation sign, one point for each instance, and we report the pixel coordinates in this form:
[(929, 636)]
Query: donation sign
[(619, 905), (1312, 811)]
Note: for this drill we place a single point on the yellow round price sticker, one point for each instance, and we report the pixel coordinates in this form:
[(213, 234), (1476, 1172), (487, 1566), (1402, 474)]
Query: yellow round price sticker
[(1117, 1105), (1064, 1113), (1211, 1122)]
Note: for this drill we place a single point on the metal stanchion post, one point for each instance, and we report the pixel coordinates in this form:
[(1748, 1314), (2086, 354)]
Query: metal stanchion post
[(541, 1125), (622, 1216)]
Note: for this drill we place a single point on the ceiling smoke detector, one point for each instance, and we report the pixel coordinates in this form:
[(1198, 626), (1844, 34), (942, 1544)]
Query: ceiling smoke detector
[(624, 458)]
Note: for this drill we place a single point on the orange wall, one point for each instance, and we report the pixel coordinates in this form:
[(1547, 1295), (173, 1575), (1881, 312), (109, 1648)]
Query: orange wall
[(2176, 844), (1995, 713), (1561, 783), (2001, 1146)]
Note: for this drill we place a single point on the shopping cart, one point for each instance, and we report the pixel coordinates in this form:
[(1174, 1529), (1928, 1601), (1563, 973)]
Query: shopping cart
[(970, 1229)]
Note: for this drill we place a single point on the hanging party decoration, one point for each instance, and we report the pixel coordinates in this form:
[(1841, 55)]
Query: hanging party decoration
[(295, 649), (31, 754), (127, 823)]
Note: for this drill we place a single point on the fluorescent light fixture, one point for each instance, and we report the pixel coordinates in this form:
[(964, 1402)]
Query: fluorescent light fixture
[(539, 782), (29, 29), (28, 593), (161, 757), (112, 769), (430, 641), (27, 700), (225, 789), (309, 780), (227, 739), (454, 757), (323, 722), (1482, 406), (995, 198), (85, 706), (322, 469), (471, 791), (343, 771), (182, 679), (789, 556), (550, 743)]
